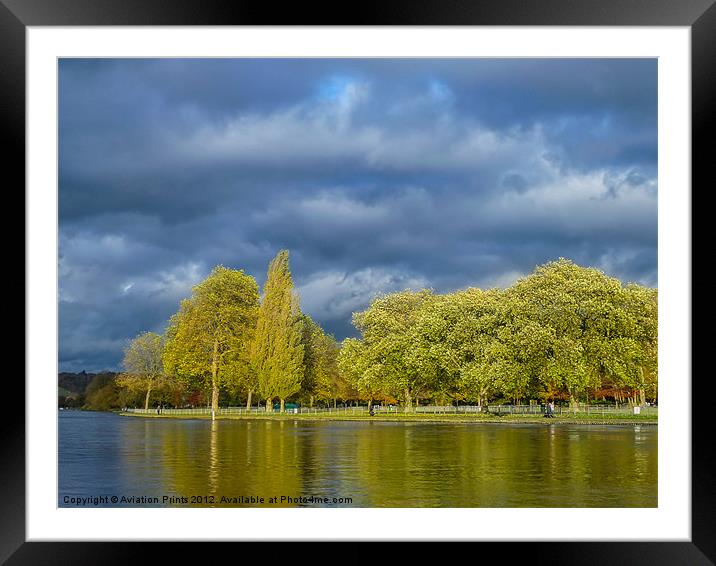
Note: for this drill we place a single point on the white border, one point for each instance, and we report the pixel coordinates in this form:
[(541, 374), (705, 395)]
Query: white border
[(670, 521)]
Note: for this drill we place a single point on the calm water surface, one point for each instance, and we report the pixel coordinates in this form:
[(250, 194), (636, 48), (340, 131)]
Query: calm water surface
[(360, 464)]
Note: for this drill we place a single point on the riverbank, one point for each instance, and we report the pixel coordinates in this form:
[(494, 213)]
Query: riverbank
[(572, 418)]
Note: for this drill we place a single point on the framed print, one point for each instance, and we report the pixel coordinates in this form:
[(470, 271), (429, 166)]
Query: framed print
[(423, 275)]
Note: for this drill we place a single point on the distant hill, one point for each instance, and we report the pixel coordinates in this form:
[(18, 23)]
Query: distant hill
[(85, 390), (74, 384)]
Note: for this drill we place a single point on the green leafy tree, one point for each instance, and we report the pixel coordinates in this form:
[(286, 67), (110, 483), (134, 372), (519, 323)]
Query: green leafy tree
[(277, 349), (103, 393), (207, 340), (386, 327), (330, 384), (239, 375), (640, 306), (322, 378), (581, 331), (428, 350), (356, 370), (310, 336), (471, 325)]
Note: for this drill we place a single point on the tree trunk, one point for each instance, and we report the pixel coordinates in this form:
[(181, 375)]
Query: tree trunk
[(573, 405), (335, 403), (146, 399), (214, 377), (283, 405), (311, 402), (370, 403), (269, 405), (214, 399), (408, 401), (642, 396), (248, 401)]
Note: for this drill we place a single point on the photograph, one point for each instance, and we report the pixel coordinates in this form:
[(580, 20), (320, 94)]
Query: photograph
[(426, 277), (358, 282)]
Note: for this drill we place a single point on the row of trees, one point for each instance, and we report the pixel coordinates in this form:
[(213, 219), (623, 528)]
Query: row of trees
[(224, 338), (563, 332)]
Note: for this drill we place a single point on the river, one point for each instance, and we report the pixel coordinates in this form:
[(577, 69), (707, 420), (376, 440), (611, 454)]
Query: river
[(185, 463)]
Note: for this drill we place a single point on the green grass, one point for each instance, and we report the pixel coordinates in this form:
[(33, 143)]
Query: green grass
[(576, 418)]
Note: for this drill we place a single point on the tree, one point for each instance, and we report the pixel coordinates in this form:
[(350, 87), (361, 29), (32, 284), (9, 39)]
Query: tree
[(464, 328), (356, 370), (386, 327), (277, 351), (238, 373), (310, 337), (640, 332), (321, 377), (103, 393), (208, 339), (330, 384), (143, 366), (582, 330)]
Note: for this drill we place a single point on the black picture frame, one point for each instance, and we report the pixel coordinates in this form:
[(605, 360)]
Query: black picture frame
[(17, 15)]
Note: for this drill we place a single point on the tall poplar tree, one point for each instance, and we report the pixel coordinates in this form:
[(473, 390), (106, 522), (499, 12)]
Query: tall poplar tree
[(277, 349), (211, 334)]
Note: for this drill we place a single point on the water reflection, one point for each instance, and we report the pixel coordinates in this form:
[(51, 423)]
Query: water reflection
[(375, 464), (213, 458)]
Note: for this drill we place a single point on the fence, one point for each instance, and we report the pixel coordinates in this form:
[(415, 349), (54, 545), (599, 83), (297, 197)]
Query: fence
[(591, 410)]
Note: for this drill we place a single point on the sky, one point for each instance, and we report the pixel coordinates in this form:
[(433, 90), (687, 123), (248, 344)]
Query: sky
[(377, 175)]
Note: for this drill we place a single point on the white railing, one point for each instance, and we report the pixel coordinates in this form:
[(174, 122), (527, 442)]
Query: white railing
[(595, 410)]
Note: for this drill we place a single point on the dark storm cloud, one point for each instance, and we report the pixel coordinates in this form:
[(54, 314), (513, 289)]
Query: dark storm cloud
[(378, 175)]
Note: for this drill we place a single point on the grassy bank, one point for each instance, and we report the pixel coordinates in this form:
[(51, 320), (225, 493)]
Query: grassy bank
[(575, 418)]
